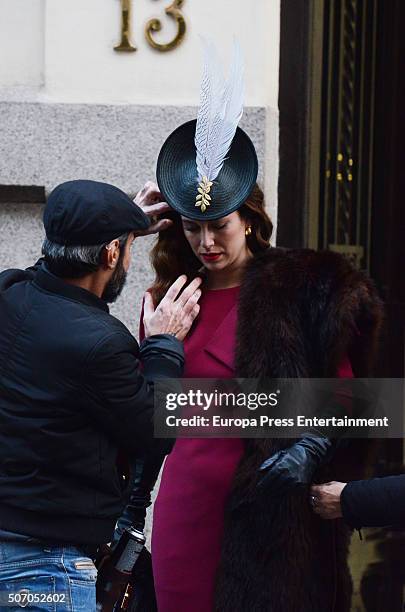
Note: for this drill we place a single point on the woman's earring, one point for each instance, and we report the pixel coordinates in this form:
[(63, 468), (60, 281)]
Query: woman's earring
[(248, 230)]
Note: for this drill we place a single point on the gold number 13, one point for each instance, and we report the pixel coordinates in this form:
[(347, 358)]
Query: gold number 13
[(153, 25)]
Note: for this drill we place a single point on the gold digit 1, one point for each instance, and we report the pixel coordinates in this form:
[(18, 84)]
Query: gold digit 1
[(125, 44), (155, 25)]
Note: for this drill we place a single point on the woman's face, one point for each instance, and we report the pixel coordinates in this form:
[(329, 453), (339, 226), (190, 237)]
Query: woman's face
[(218, 244)]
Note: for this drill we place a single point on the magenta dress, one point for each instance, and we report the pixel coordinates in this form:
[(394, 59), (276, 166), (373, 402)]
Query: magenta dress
[(196, 482), (189, 510)]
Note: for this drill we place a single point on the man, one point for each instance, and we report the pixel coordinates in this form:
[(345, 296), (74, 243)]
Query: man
[(72, 393)]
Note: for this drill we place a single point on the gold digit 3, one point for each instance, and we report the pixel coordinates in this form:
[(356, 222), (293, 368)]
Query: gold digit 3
[(155, 25)]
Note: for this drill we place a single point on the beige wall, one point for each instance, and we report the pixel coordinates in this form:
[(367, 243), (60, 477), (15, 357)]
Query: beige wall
[(70, 106), (64, 48), (22, 39)]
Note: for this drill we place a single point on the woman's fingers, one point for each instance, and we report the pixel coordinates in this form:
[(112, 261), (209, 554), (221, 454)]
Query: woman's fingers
[(271, 461)]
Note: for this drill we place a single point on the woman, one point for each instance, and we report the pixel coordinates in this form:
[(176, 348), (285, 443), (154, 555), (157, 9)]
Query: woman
[(185, 558), (261, 310), (220, 542)]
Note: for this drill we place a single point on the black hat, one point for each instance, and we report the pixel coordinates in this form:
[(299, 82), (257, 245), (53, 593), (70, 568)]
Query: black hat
[(90, 213), (180, 186)]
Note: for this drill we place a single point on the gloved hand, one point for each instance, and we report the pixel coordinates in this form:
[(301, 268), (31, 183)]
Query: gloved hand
[(144, 473), (295, 466)]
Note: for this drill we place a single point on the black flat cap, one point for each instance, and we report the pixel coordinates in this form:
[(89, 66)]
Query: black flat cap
[(177, 175), (90, 213)]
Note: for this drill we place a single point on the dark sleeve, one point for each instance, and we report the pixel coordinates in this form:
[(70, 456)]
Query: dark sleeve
[(374, 503), (118, 396), (144, 473), (162, 356)]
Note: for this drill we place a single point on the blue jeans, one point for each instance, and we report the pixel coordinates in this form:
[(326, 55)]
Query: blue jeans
[(40, 577)]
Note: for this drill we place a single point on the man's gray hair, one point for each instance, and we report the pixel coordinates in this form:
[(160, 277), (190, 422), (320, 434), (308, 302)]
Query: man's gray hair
[(75, 261)]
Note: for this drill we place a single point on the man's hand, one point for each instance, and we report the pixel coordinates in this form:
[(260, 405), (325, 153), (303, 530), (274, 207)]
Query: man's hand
[(325, 499), (149, 199), (176, 312)]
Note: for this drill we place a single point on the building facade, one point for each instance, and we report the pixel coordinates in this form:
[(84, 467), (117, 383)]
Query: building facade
[(71, 106)]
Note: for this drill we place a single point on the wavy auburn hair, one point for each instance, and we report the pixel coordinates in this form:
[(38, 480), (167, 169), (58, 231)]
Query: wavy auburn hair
[(172, 255)]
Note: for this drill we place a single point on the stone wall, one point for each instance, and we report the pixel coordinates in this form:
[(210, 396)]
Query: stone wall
[(47, 144)]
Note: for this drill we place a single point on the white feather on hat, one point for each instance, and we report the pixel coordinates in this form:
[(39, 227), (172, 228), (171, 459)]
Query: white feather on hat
[(220, 111)]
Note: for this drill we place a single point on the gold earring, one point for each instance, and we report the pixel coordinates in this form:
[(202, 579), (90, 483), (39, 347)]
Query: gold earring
[(248, 230)]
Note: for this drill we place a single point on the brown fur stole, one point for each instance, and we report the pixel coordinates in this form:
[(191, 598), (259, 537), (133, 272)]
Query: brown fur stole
[(300, 313)]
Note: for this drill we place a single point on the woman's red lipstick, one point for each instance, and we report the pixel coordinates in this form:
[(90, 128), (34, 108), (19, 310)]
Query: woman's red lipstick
[(210, 256)]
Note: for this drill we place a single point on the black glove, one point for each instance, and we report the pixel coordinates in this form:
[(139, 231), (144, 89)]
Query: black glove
[(144, 473), (296, 465)]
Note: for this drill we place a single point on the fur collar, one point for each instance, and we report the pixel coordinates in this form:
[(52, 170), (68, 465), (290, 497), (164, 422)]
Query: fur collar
[(300, 311)]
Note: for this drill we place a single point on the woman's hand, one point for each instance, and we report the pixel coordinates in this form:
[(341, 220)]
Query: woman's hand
[(176, 312), (149, 200), (325, 499), (294, 466)]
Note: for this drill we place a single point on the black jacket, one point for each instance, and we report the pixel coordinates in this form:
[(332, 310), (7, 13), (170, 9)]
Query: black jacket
[(71, 393), (374, 503)]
